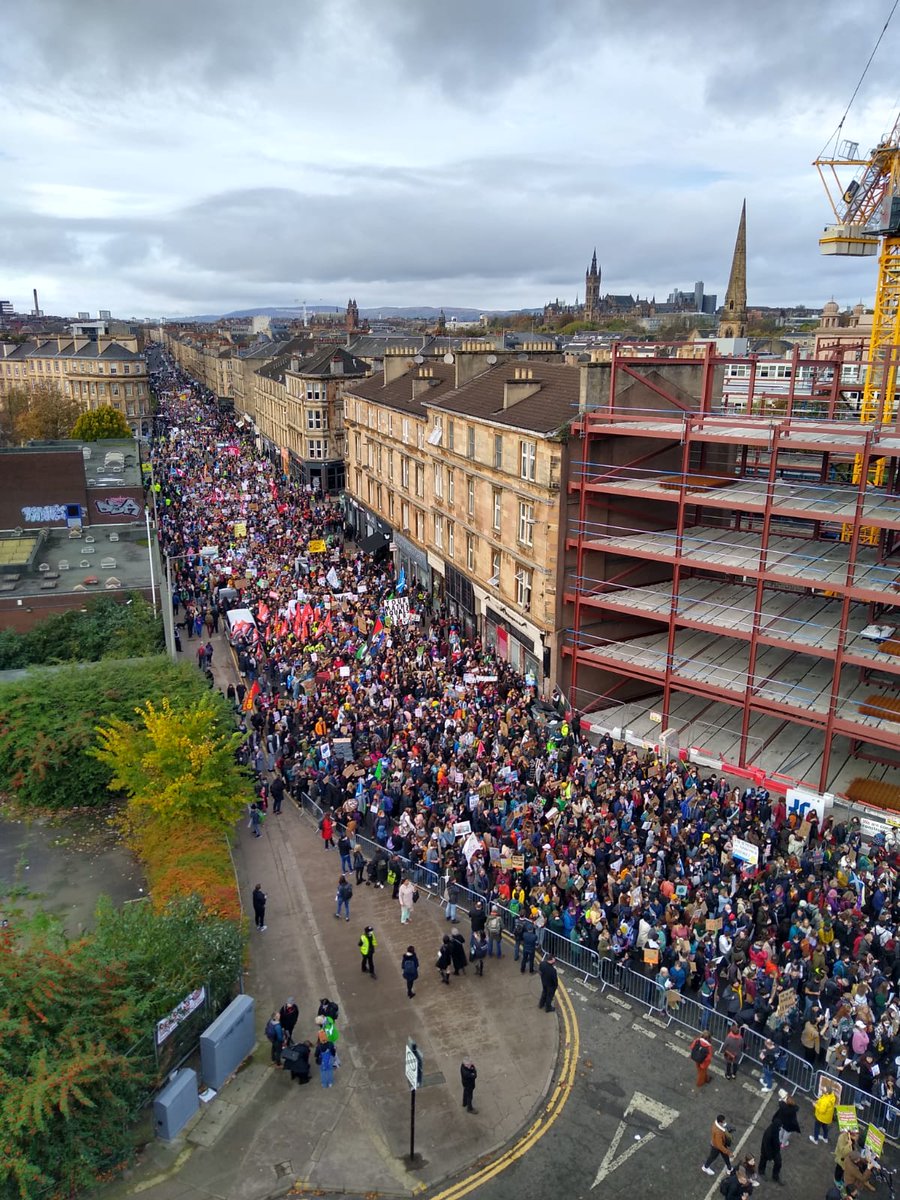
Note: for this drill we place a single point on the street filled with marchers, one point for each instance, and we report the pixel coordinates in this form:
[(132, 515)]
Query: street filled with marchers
[(361, 696)]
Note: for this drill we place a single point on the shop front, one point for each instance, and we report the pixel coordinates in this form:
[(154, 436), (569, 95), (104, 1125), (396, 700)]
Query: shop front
[(517, 647), (459, 596), (414, 562)]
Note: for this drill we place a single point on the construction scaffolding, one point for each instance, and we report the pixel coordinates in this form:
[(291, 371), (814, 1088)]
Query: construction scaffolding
[(708, 590)]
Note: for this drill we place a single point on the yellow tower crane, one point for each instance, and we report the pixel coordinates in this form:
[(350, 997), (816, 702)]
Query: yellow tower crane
[(867, 211)]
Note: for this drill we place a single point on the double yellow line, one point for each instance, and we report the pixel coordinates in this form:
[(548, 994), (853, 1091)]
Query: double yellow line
[(545, 1119)]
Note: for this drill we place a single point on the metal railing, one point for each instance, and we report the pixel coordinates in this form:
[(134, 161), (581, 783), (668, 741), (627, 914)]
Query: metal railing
[(870, 1109)]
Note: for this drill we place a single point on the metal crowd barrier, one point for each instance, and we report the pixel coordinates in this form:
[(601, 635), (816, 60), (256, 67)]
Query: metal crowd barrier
[(869, 1108)]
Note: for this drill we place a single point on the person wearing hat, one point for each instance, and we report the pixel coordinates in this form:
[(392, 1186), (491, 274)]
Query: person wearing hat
[(494, 929)]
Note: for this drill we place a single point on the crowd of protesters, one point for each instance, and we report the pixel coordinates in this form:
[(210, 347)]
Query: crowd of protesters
[(401, 728)]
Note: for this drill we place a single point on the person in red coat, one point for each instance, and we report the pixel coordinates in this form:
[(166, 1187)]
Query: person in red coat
[(326, 828), (701, 1061)]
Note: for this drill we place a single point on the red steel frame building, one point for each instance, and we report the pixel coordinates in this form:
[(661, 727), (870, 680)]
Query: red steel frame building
[(719, 590)]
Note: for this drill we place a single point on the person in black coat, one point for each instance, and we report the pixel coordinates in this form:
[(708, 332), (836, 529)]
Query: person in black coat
[(529, 945), (296, 1060), (468, 1075), (288, 1014), (445, 959), (458, 952), (259, 907), (549, 983), (409, 965)]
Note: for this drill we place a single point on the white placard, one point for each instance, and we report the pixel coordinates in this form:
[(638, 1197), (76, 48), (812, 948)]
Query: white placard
[(745, 851)]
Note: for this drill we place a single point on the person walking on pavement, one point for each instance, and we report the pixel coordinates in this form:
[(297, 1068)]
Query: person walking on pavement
[(326, 828), (345, 847), (367, 945), (287, 1015), (732, 1050), (468, 1075), (451, 896), (259, 908), (276, 789), (494, 928), (325, 1059), (409, 965), (458, 952), (701, 1053), (549, 983), (529, 945), (770, 1151), (343, 897), (359, 865), (256, 817), (719, 1145), (275, 1034), (478, 919), (479, 951), (405, 894), (445, 959)]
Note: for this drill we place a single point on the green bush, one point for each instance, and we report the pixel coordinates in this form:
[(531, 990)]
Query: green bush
[(48, 721), (110, 628), (76, 1036)]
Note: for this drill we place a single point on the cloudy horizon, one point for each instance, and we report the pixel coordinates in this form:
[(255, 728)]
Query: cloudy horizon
[(199, 158)]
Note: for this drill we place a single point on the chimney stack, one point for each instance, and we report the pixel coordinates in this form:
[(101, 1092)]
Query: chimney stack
[(522, 385), (36, 309)]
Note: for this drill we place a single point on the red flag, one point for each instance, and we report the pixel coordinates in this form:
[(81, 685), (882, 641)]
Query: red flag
[(326, 625), (378, 627), (262, 612), (297, 621)]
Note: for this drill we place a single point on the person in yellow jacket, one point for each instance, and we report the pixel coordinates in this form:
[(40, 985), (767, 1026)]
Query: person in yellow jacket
[(367, 944), (823, 1115)]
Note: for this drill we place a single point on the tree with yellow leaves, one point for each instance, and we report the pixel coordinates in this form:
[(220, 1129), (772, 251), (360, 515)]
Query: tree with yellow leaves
[(176, 764)]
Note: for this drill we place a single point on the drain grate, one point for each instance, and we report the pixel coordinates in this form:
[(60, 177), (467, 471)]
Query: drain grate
[(282, 1169)]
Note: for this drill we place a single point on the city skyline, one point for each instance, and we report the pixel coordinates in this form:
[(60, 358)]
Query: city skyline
[(191, 160)]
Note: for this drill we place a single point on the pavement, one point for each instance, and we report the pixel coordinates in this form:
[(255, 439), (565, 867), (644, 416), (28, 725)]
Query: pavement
[(264, 1135)]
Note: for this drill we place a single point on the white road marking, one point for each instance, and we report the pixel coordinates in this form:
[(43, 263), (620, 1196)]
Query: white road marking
[(661, 1113), (615, 1016), (736, 1152), (615, 1000), (648, 1033), (657, 1021)]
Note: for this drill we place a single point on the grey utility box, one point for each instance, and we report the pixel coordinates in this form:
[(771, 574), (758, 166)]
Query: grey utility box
[(176, 1104), (226, 1043)]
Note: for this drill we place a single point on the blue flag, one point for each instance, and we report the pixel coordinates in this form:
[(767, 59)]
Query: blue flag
[(401, 580)]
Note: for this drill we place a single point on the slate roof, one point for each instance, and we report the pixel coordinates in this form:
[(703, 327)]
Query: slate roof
[(319, 364), (398, 394), (50, 349), (550, 408)]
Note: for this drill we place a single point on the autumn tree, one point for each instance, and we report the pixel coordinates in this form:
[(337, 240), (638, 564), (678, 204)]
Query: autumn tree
[(176, 764), (37, 412), (101, 424)]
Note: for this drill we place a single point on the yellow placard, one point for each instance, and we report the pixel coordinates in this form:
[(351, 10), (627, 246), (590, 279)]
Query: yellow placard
[(317, 546), (240, 529)]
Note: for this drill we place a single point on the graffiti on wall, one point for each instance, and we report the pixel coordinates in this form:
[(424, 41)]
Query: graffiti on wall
[(35, 514), (119, 506)]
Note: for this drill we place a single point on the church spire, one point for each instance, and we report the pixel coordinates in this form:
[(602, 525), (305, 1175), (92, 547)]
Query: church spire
[(733, 321)]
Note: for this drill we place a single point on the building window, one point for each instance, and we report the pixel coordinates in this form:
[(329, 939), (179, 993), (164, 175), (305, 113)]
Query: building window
[(470, 552), (439, 531), (391, 465), (523, 589), (314, 391), (420, 436), (498, 451), (316, 418), (451, 435), (115, 389), (470, 445), (391, 505), (404, 472), (315, 447), (497, 514), (113, 370), (526, 523), (451, 540), (370, 453), (420, 480), (470, 496), (528, 454), (438, 481), (404, 516), (405, 430), (391, 424), (420, 525), (494, 580), (126, 369), (451, 486), (357, 447)]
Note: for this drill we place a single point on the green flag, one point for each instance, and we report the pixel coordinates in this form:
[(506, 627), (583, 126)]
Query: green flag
[(379, 770)]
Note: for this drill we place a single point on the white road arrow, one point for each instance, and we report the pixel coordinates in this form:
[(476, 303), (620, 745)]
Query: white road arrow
[(660, 1113)]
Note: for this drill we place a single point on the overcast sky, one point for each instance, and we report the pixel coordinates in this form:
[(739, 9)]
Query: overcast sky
[(191, 156)]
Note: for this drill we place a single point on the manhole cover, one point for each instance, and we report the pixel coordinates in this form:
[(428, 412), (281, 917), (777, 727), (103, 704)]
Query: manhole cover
[(282, 1169)]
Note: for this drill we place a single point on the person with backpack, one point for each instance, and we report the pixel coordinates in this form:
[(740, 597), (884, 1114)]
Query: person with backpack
[(494, 928), (701, 1052), (343, 897), (275, 1034), (325, 1059), (409, 966)]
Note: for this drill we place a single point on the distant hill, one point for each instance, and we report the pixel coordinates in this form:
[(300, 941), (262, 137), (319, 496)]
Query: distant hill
[(412, 313)]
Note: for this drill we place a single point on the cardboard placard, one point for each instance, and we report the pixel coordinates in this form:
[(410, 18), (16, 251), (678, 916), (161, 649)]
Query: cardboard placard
[(713, 924), (786, 1001), (847, 1120), (874, 1144), (651, 954)]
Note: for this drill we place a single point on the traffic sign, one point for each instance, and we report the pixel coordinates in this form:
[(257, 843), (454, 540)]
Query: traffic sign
[(413, 1065)]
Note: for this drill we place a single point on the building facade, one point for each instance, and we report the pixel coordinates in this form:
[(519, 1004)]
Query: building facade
[(458, 466), (95, 371)]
